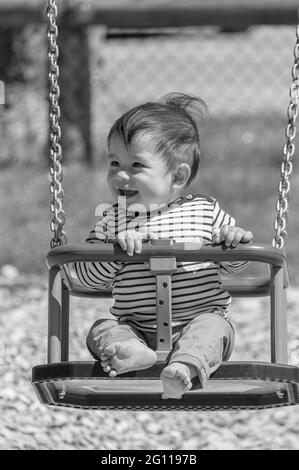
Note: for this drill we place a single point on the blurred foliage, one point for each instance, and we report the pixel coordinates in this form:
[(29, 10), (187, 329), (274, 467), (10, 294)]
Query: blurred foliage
[(23, 119)]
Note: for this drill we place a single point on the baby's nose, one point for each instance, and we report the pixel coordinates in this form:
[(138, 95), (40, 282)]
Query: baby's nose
[(123, 175)]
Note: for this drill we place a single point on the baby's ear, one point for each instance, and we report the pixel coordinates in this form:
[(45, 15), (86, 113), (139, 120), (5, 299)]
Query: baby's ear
[(181, 175)]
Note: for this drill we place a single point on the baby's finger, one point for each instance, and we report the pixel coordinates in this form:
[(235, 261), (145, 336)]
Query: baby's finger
[(216, 235), (239, 233), (122, 241), (138, 245), (130, 246), (230, 236), (247, 237), (123, 244), (223, 232)]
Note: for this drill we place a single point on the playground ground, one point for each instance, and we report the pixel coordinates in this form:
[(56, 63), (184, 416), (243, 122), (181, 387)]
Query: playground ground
[(25, 424)]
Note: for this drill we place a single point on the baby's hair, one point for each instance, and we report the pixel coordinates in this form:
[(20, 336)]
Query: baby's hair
[(173, 123)]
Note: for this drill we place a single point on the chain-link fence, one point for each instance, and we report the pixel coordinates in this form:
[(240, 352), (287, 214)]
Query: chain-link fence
[(239, 75), (243, 74)]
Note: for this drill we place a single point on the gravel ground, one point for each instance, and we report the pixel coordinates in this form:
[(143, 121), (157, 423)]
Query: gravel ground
[(25, 424)]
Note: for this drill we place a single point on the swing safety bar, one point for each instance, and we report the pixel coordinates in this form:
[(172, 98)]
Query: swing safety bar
[(235, 385), (162, 257), (183, 251)]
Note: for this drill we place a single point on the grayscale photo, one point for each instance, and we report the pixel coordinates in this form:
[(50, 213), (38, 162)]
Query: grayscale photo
[(149, 262)]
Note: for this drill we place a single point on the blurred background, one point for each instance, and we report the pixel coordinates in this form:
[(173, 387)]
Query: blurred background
[(116, 54)]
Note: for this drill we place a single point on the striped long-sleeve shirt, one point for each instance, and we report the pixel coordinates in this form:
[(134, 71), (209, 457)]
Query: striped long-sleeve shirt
[(196, 287)]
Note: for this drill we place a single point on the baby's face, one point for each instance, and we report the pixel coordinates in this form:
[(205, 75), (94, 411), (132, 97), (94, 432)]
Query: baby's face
[(138, 173)]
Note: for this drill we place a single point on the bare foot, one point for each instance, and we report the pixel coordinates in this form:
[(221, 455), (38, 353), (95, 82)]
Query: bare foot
[(124, 356), (176, 379)]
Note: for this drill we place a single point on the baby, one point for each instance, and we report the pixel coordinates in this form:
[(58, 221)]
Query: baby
[(153, 153)]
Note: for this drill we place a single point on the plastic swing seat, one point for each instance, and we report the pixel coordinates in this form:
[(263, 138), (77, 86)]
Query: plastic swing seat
[(235, 385)]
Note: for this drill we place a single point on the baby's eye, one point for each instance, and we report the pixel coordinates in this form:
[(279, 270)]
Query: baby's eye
[(114, 163), (138, 165)]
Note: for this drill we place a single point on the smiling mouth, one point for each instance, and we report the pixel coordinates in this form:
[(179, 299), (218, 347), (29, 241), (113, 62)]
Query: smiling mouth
[(127, 192)]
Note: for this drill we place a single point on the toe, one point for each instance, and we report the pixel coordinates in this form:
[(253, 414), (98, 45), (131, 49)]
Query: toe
[(113, 373), (110, 350), (187, 381), (105, 363), (107, 368), (169, 371)]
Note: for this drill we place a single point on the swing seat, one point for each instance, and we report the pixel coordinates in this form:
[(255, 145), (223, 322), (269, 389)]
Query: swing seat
[(235, 385)]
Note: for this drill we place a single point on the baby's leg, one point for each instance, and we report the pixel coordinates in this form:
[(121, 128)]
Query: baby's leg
[(119, 347), (203, 344)]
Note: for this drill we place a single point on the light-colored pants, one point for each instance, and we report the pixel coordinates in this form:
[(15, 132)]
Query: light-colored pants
[(204, 342)]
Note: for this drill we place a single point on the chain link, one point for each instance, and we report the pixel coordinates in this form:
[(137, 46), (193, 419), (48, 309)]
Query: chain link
[(281, 219), (56, 190)]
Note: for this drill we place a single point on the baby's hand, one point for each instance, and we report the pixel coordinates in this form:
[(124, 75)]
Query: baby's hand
[(232, 236), (131, 240)]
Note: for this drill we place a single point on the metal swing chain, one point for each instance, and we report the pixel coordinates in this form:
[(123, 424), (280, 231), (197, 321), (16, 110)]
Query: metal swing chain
[(56, 190), (288, 153)]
